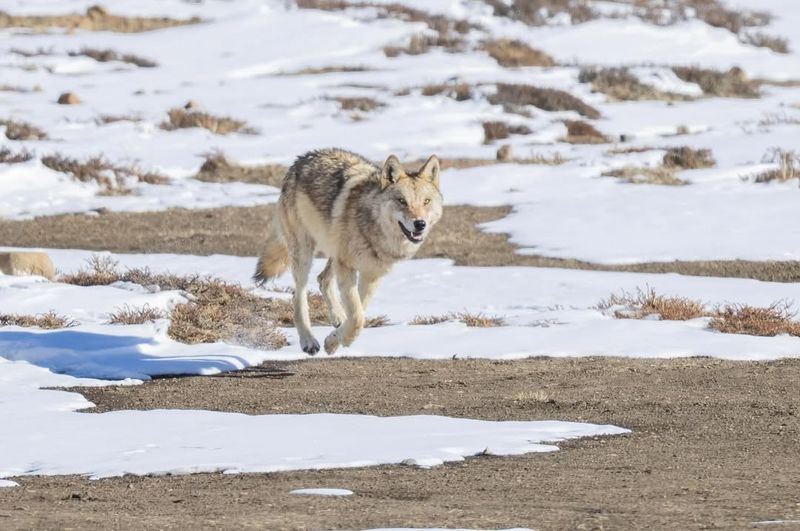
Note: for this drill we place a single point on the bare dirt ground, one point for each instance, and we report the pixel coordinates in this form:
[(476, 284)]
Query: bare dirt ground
[(239, 231), (714, 445)]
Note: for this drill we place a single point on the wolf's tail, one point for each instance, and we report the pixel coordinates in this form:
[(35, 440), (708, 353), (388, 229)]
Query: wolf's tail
[(274, 259)]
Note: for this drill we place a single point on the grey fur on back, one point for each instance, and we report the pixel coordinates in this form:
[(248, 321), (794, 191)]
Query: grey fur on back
[(322, 174)]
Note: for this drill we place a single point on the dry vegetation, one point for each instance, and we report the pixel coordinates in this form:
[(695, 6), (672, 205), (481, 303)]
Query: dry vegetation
[(646, 303), (113, 179), (332, 69), (105, 119), (4, 87), (644, 175), (619, 84), (135, 315), (218, 169), (730, 84), (477, 320), (774, 320), (457, 91), (498, 130), (580, 132), (10, 157), (106, 55), (422, 43), (49, 320), (539, 12), (16, 130), (514, 98), (362, 103), (675, 159), (687, 158), (788, 166), (219, 125), (513, 53), (96, 18)]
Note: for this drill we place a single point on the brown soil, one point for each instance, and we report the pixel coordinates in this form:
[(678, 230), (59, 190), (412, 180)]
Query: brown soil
[(239, 231), (715, 444)]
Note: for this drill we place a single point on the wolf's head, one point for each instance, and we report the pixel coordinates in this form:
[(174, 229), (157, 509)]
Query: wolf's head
[(412, 201)]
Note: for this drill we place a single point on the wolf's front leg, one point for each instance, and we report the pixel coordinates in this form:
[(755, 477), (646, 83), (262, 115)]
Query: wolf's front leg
[(302, 255), (347, 332)]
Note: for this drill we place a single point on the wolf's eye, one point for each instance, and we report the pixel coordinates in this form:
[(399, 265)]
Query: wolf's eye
[(402, 202), (427, 201)]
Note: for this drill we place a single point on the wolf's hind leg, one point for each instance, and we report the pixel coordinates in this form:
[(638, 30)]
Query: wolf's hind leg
[(302, 252), (347, 332), (328, 290)]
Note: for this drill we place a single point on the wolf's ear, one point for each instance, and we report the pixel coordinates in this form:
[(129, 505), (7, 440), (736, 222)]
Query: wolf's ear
[(392, 171), (430, 170)]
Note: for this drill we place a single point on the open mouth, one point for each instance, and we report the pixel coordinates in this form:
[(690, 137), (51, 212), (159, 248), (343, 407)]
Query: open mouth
[(413, 237)]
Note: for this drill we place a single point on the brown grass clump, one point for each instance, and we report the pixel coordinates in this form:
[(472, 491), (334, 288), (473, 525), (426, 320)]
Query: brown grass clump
[(9, 157), (539, 12), (219, 125), (514, 96), (687, 158), (774, 320), (429, 319), (580, 132), (362, 104), (134, 316), (96, 18), (513, 53), (498, 130), (218, 169), (422, 43), (731, 84), (619, 84), (477, 320), (643, 175), (106, 55), (645, 303), (313, 71), (22, 131), (48, 321), (457, 91), (788, 166), (111, 178)]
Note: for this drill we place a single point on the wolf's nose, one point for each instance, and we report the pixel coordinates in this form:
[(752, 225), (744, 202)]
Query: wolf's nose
[(419, 225)]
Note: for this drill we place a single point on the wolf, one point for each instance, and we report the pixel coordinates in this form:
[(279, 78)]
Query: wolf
[(363, 217)]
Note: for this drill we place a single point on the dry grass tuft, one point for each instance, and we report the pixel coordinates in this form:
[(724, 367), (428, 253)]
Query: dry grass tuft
[(111, 178), (4, 87), (219, 125), (513, 53), (134, 316), (498, 130), (788, 166), (643, 175), (619, 84), (106, 55), (96, 18), (533, 397), (22, 131), (362, 104), (515, 97), (430, 319), (477, 320), (774, 320), (457, 91), (580, 132), (48, 321), (9, 157), (422, 43), (687, 158), (376, 322), (333, 69), (105, 119), (540, 12), (731, 84), (646, 303), (218, 169), (762, 40)]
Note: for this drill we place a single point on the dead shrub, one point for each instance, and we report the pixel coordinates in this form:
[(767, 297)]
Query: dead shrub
[(219, 125), (776, 319), (687, 158), (619, 84), (580, 132), (477, 320), (457, 91), (421, 43), (429, 319), (376, 322), (498, 130), (47, 321), (646, 303), (22, 131), (218, 169), (111, 178), (514, 96), (106, 55), (643, 175), (513, 53), (96, 18), (731, 84), (762, 40), (362, 104), (540, 12), (788, 166), (9, 157), (134, 316)]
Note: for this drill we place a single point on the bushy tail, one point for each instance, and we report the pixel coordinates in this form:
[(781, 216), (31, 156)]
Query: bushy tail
[(274, 259)]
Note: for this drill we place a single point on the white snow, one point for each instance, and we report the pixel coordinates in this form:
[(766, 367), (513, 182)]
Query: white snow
[(8, 483), (322, 492)]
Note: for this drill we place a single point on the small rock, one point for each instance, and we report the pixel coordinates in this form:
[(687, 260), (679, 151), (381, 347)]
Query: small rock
[(69, 98), (505, 153)]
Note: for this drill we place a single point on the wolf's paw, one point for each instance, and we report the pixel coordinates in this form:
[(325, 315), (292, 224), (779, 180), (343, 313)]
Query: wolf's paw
[(310, 345), (331, 343)]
